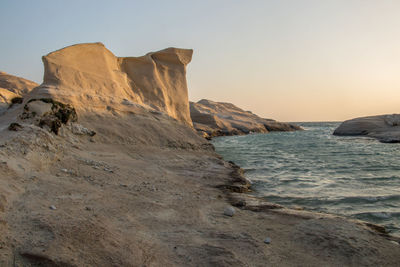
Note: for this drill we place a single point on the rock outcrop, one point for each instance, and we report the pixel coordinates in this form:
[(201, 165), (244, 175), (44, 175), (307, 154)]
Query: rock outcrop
[(12, 88), (17, 85), (212, 119), (385, 128), (90, 77)]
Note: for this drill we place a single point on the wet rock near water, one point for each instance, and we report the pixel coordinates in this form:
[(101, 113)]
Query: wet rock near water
[(229, 211)]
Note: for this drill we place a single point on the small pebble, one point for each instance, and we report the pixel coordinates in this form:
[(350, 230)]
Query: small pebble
[(64, 170), (267, 240), (52, 207), (394, 242), (229, 211)]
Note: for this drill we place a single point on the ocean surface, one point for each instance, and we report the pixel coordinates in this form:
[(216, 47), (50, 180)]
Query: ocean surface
[(353, 176)]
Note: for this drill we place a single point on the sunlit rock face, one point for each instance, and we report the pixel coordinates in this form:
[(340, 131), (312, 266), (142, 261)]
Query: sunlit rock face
[(89, 76)]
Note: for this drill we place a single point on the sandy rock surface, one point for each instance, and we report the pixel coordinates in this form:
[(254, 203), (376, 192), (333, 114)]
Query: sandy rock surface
[(217, 118), (385, 128), (148, 191)]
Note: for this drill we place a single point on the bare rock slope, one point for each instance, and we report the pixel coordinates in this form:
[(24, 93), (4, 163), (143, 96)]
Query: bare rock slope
[(127, 185), (12, 88), (385, 128), (217, 118)]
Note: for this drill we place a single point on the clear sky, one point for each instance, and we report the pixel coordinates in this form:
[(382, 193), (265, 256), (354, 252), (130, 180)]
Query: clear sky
[(296, 60)]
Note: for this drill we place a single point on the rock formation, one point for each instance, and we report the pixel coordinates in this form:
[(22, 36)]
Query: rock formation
[(217, 118), (89, 77), (385, 128), (12, 88), (131, 186)]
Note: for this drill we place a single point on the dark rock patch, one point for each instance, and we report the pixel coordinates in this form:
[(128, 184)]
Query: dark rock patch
[(15, 127), (52, 118)]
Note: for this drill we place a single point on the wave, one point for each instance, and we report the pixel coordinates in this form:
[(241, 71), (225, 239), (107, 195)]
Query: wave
[(308, 201), (380, 215)]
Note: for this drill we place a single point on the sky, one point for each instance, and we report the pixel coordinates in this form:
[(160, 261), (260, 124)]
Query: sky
[(290, 60)]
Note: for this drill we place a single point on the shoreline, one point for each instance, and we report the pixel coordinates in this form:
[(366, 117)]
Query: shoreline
[(239, 197), (378, 227)]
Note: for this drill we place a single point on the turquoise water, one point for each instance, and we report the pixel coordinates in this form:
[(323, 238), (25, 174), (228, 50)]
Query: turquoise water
[(352, 176)]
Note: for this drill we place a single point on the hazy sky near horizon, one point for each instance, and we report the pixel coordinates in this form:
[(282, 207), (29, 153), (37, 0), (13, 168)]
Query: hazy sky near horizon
[(298, 60)]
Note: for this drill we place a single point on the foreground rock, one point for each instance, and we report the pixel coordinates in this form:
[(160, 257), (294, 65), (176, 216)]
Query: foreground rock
[(146, 190), (12, 89), (212, 119), (385, 128)]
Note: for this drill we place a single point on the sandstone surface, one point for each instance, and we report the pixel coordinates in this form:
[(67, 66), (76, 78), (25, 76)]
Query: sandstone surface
[(385, 128), (218, 118), (90, 77)]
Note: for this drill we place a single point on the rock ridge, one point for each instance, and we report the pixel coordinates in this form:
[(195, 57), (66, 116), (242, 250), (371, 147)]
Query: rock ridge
[(213, 119)]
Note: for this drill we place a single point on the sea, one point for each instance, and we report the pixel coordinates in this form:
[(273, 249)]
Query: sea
[(358, 177)]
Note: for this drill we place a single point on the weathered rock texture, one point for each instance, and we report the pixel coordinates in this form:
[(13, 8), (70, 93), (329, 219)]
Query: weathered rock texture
[(89, 76), (217, 118), (12, 88), (385, 128)]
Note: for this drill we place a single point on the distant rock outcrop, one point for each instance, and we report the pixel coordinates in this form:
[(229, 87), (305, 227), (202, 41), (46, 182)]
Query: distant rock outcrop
[(12, 88), (17, 85), (385, 128), (217, 119), (89, 76)]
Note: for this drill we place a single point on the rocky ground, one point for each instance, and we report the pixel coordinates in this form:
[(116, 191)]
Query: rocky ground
[(146, 190)]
